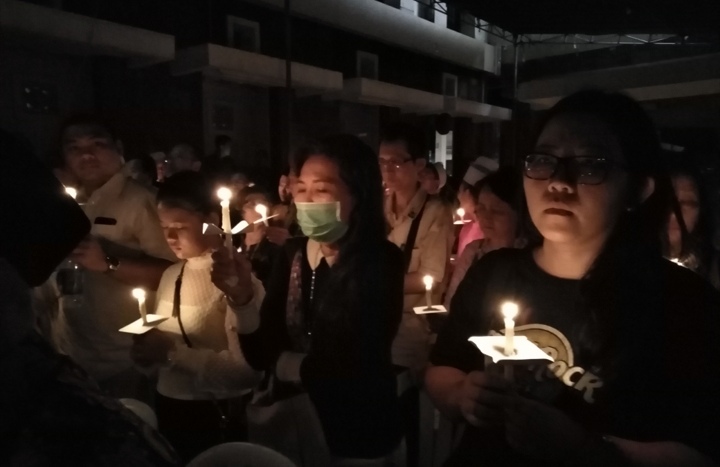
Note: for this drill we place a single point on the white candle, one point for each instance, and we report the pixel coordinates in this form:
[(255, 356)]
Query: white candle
[(225, 195), (72, 192), (509, 311), (139, 294), (262, 210), (428, 280)]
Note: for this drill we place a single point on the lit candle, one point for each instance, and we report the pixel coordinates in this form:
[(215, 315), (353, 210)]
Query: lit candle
[(139, 294), (262, 210), (461, 214), (428, 280), (509, 311), (225, 195), (72, 192)]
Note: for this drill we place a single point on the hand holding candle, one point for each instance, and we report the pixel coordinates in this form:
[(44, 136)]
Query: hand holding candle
[(509, 311), (225, 195), (139, 294)]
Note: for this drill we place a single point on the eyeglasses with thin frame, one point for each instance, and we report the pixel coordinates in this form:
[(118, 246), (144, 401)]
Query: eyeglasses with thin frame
[(584, 170), (392, 164)]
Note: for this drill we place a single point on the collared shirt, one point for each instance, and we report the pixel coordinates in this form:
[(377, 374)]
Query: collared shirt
[(124, 219), (433, 242)]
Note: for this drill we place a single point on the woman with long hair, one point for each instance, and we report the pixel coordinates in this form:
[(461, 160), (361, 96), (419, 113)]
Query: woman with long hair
[(333, 306), (687, 238), (633, 337)]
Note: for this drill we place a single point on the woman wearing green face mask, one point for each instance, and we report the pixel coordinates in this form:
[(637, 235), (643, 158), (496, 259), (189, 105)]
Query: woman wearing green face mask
[(333, 307)]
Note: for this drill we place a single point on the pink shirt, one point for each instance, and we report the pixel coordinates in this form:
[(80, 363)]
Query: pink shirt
[(468, 233)]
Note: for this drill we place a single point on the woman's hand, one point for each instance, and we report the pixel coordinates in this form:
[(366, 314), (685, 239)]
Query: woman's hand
[(277, 235), (483, 398), (232, 276), (152, 348), (543, 432)]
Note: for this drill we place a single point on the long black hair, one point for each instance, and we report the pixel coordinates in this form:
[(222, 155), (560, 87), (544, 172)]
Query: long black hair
[(361, 247), (622, 270), (696, 249), (359, 170)]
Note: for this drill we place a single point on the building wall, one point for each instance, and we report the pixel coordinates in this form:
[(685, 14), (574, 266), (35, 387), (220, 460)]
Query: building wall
[(150, 109), (68, 77), (250, 125)]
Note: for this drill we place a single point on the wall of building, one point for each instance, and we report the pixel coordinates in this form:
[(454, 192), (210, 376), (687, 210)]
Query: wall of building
[(250, 122), (67, 78), (150, 109)]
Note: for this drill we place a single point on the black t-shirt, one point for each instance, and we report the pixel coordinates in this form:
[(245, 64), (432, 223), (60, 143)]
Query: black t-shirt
[(644, 370)]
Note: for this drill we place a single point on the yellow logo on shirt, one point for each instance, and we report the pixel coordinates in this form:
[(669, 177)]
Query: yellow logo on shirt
[(555, 344)]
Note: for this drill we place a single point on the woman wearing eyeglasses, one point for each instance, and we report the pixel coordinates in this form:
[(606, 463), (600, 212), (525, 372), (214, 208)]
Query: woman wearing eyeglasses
[(633, 337)]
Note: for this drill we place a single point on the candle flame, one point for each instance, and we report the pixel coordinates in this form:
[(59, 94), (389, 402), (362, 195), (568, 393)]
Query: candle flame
[(139, 294), (428, 280), (224, 193), (509, 310), (72, 192), (262, 210), (461, 213)]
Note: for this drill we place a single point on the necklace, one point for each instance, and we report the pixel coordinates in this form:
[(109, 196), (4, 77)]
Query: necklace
[(316, 263)]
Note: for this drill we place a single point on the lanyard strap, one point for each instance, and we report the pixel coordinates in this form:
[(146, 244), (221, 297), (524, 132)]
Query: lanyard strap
[(176, 305)]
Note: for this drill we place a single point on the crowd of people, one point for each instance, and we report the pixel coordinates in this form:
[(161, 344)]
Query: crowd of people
[(302, 333)]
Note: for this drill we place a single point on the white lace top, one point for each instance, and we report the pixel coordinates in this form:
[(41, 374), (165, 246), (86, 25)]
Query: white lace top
[(214, 366)]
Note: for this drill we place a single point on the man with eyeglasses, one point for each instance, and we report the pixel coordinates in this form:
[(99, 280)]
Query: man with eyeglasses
[(421, 225)]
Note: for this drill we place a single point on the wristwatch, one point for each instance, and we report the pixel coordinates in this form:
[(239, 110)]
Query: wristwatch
[(112, 263)]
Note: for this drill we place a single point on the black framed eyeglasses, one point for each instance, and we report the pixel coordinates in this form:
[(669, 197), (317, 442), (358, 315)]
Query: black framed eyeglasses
[(584, 170)]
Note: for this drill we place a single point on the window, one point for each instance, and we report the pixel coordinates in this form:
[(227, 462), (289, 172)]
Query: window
[(444, 150), (450, 85), (243, 34), (426, 10), (367, 65), (392, 3)]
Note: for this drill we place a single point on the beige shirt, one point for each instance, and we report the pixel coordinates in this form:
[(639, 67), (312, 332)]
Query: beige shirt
[(432, 244), (429, 257), (89, 333), (214, 366)]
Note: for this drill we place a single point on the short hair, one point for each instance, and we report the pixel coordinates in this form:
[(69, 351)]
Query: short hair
[(413, 137), (187, 190), (86, 125), (221, 140)]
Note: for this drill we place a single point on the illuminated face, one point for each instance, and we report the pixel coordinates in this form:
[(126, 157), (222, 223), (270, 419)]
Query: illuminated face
[(563, 210), (399, 170), (91, 158), (429, 181), (497, 218), (689, 199), (320, 182), (183, 231)]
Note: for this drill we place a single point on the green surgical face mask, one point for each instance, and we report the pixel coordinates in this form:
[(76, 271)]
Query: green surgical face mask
[(321, 221)]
